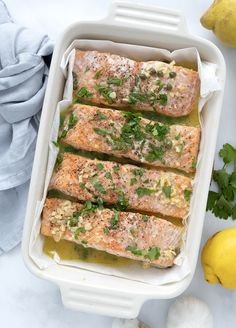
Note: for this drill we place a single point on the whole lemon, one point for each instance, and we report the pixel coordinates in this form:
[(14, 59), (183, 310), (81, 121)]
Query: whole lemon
[(219, 258), (221, 19)]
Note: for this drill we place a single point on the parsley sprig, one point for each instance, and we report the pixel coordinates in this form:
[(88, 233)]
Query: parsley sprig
[(223, 202)]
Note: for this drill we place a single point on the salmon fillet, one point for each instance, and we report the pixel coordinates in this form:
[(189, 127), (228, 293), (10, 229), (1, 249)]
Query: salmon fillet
[(127, 186), (127, 134), (132, 235), (115, 81)]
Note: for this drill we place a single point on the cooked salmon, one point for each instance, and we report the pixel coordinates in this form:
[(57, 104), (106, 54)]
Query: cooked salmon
[(129, 135), (132, 235), (115, 81), (127, 186)]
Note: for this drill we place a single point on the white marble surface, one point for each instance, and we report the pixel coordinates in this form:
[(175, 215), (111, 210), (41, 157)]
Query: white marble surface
[(27, 301)]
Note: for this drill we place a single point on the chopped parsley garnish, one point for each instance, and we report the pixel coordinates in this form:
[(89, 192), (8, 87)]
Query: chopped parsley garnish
[(59, 160), (114, 220), (82, 185), (100, 166), (87, 209), (157, 130), (94, 178), (75, 83), (101, 132), (98, 74), (115, 80), (133, 231), (155, 153), (194, 163), (56, 144), (108, 175), (130, 131), (104, 92), (150, 97), (99, 116), (162, 98), (79, 230), (144, 191), (160, 85), (134, 250), (172, 75), (98, 186), (187, 194), (134, 97), (133, 131), (167, 191), (72, 121), (99, 202), (133, 181), (106, 231), (153, 253), (122, 202), (222, 203), (84, 93), (116, 168), (138, 172), (145, 218), (132, 116), (73, 221), (64, 133)]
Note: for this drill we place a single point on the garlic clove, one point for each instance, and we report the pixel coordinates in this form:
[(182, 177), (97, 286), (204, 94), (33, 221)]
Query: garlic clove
[(189, 311)]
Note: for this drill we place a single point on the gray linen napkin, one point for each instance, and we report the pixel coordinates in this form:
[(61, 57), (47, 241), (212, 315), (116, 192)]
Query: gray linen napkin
[(23, 76)]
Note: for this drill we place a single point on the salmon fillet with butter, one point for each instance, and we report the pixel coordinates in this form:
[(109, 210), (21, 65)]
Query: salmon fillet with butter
[(119, 82), (127, 186), (129, 135), (132, 235)]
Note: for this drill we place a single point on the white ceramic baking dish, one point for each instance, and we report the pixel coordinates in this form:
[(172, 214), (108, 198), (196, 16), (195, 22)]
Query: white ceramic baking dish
[(141, 25)]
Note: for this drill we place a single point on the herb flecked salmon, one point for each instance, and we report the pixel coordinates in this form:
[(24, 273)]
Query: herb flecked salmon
[(115, 81), (139, 237), (127, 186), (129, 135)]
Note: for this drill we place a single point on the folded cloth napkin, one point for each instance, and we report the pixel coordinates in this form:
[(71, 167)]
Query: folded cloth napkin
[(23, 77)]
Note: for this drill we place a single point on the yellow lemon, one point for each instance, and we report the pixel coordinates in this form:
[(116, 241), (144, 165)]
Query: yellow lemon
[(221, 19), (219, 259)]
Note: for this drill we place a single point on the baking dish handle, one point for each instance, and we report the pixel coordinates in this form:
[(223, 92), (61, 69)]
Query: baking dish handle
[(132, 14), (101, 301)]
